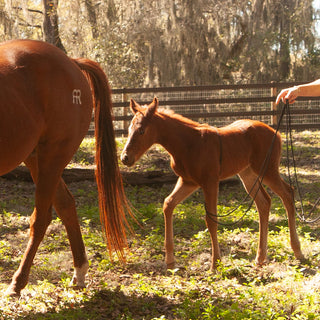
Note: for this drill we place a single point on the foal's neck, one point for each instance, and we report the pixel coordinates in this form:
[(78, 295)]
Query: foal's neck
[(175, 132)]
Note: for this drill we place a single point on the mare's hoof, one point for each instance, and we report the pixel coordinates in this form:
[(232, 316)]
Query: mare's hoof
[(77, 284), (12, 292)]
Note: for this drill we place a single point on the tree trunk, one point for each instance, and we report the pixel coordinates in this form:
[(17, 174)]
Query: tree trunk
[(285, 34), (92, 18), (50, 23)]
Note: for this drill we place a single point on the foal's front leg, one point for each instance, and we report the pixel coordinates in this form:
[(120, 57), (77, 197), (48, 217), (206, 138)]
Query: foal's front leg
[(180, 192)]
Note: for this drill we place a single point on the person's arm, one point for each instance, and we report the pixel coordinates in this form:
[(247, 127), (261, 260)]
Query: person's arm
[(311, 89)]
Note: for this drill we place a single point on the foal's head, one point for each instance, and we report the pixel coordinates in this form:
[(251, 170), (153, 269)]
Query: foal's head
[(141, 135)]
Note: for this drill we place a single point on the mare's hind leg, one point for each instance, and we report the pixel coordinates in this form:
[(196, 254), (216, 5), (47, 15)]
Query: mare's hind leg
[(284, 191), (66, 210), (65, 206), (263, 203)]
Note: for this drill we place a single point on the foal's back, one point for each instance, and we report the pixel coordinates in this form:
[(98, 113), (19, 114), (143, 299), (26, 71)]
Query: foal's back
[(246, 143)]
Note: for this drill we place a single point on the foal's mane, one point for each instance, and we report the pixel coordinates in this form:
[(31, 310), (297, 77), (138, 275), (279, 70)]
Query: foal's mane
[(171, 114)]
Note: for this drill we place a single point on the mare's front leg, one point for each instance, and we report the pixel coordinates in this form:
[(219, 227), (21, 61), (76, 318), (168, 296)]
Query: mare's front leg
[(211, 199), (180, 192), (39, 221)]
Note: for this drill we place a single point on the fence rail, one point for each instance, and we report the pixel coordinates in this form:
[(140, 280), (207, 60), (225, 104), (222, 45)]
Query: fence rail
[(219, 105)]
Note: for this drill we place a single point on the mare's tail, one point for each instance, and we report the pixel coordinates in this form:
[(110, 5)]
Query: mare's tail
[(112, 200)]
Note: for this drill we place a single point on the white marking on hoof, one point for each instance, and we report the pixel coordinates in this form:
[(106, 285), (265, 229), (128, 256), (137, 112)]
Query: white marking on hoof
[(79, 276)]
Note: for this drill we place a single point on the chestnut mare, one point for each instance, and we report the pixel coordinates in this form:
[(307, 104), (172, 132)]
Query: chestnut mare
[(46, 107), (201, 156)]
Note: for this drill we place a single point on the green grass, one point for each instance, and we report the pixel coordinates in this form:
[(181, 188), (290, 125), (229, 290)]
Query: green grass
[(85, 154), (142, 288)]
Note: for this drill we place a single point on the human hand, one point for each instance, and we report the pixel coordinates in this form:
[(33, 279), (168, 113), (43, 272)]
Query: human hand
[(289, 94)]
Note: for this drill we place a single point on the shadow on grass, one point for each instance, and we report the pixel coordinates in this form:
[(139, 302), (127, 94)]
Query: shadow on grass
[(109, 304)]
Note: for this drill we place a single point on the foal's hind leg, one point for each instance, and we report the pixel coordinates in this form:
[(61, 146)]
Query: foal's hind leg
[(211, 197), (263, 203), (284, 191), (65, 206)]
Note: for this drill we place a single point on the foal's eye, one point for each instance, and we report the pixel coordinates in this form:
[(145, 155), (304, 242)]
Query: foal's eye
[(141, 131)]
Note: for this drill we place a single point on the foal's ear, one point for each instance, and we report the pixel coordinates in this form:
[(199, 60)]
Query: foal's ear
[(134, 106), (152, 107)]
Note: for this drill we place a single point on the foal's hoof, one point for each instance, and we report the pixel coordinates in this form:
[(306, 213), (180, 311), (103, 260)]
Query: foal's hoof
[(300, 257), (170, 266), (213, 269), (259, 264), (176, 271)]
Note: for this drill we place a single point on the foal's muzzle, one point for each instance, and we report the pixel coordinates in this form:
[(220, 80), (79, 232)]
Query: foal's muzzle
[(126, 159)]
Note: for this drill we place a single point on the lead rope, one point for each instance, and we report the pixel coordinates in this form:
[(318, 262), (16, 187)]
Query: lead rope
[(289, 141)]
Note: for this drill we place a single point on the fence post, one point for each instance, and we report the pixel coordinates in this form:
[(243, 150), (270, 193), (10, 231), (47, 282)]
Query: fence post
[(126, 123), (274, 117)]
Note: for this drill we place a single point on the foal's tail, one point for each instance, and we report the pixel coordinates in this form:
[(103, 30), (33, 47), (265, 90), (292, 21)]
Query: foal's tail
[(112, 200)]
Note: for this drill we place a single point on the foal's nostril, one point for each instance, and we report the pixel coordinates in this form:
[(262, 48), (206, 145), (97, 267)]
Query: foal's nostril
[(124, 158)]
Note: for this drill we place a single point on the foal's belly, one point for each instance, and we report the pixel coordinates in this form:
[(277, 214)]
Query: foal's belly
[(233, 170)]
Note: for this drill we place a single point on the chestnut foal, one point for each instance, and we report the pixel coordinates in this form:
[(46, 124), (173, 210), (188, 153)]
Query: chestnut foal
[(201, 156)]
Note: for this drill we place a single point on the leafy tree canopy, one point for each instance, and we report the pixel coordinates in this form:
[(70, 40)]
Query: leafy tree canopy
[(177, 42)]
